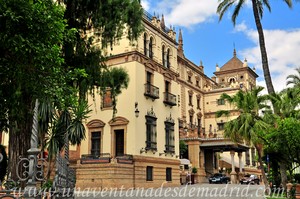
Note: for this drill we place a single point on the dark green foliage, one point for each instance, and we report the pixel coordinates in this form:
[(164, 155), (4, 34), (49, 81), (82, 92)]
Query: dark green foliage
[(3, 163), (297, 178), (284, 140)]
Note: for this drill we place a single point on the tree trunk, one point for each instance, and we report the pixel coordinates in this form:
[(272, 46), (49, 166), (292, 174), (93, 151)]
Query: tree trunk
[(259, 149), (19, 141), (263, 51), (283, 174)]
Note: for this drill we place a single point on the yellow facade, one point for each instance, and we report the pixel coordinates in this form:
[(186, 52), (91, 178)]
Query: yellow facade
[(174, 100)]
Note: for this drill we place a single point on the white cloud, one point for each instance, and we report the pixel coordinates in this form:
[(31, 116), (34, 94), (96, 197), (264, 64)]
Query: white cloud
[(283, 47), (187, 13), (145, 4)]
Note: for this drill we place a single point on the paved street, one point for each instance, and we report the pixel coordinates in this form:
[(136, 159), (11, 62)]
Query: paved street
[(213, 191)]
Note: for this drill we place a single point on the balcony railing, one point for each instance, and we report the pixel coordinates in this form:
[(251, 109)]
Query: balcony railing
[(151, 146), (95, 158), (125, 159), (151, 91), (169, 149), (169, 99)]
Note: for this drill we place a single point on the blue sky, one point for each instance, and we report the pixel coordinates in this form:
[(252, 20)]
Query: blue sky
[(212, 42)]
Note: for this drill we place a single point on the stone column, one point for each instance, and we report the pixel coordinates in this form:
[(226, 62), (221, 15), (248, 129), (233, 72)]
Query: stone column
[(194, 149), (233, 176), (240, 154)]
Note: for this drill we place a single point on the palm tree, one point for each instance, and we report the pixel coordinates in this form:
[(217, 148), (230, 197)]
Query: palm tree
[(294, 79), (249, 125), (258, 8)]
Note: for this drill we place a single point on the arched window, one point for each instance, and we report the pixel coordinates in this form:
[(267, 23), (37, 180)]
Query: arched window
[(150, 48), (145, 44), (168, 58), (163, 55), (232, 81)]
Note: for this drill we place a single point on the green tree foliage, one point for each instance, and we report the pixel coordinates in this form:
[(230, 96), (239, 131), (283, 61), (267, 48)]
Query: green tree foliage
[(284, 140), (249, 125), (31, 36), (49, 53), (258, 11)]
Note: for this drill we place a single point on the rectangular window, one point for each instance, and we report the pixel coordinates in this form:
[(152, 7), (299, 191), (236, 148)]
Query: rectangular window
[(151, 133), (149, 81), (190, 100), (221, 102), (168, 174), (198, 103), (191, 121), (107, 99), (189, 79), (95, 142), (197, 83), (221, 126), (149, 173), (169, 128)]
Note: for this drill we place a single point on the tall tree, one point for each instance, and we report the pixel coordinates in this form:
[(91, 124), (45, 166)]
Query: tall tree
[(258, 9), (248, 126), (30, 63), (50, 54)]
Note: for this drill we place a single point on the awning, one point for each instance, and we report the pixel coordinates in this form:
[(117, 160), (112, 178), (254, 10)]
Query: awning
[(222, 145)]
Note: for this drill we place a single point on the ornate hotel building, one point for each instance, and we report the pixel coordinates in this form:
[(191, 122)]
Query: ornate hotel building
[(169, 98)]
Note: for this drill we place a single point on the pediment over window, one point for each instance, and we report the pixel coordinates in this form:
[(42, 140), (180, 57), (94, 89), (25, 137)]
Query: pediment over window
[(189, 73), (151, 113), (198, 96), (118, 121), (191, 92), (199, 115), (168, 76), (95, 124), (191, 111), (149, 65)]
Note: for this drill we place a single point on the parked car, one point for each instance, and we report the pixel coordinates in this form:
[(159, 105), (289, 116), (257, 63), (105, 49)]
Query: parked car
[(250, 179), (219, 178)]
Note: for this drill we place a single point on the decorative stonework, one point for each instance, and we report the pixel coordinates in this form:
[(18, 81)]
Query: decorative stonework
[(191, 92), (95, 124), (170, 119), (191, 111), (118, 121), (151, 113), (189, 73), (199, 115), (198, 96)]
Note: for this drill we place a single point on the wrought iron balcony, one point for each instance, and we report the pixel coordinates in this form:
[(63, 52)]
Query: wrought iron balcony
[(169, 149), (95, 158), (125, 159), (151, 91), (169, 99)]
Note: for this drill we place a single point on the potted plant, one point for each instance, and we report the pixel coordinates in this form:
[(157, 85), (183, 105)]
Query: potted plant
[(194, 172)]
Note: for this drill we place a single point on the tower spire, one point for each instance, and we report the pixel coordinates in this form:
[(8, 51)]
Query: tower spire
[(162, 22), (180, 43), (234, 51)]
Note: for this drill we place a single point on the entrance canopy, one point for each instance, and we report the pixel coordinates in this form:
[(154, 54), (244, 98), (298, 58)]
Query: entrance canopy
[(222, 145)]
